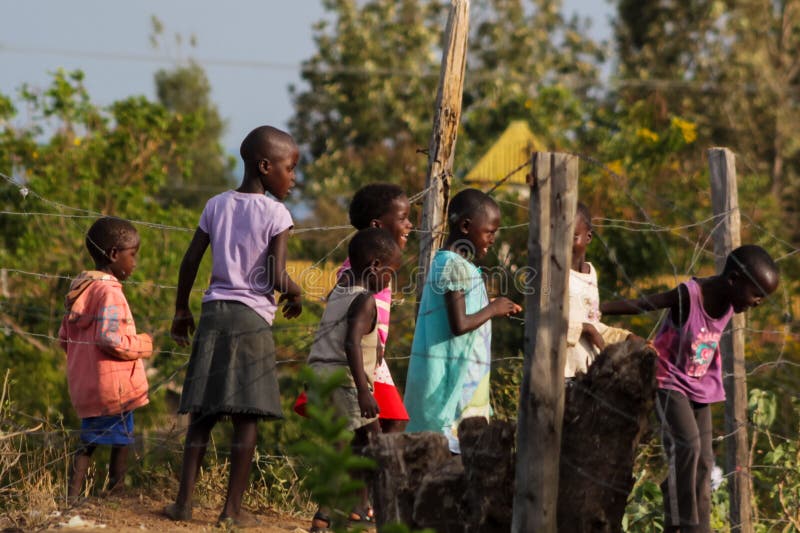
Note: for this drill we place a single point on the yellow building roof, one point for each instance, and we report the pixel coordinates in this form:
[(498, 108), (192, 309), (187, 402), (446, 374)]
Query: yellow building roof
[(512, 149)]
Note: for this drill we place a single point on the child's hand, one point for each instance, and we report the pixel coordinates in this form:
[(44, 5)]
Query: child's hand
[(593, 336), (367, 404), (292, 305), (149, 339), (502, 306), (182, 327)]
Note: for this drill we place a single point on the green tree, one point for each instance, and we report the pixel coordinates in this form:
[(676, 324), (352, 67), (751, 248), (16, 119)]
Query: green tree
[(207, 168), (527, 61), (732, 68), (368, 103), (75, 162)]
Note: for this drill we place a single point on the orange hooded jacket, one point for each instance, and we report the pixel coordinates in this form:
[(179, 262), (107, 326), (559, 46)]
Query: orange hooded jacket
[(104, 368)]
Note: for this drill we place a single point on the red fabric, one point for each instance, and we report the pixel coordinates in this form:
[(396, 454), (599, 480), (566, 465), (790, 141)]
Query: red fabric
[(300, 404), (389, 402)]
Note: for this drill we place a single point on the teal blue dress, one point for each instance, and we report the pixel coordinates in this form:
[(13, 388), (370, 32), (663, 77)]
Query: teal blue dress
[(448, 375)]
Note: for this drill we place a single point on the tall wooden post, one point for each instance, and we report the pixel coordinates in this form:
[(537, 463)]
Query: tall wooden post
[(553, 200), (442, 147), (725, 203)]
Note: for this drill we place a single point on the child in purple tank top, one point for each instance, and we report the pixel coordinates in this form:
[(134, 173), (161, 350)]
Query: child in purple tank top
[(689, 373)]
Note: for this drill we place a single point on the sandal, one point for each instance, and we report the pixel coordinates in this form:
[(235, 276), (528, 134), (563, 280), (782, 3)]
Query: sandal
[(365, 517), (320, 517)]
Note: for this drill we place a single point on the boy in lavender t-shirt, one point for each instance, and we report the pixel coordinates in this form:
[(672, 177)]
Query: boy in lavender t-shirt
[(689, 373), (239, 271), (231, 371)]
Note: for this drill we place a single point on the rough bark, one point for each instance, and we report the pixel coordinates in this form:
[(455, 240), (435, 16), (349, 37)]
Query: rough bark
[(419, 483), (606, 413)]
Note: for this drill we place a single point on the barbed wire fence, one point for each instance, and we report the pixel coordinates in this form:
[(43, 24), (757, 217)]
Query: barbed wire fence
[(48, 316)]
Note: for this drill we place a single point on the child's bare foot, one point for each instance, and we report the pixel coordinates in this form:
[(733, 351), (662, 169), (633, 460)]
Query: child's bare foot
[(244, 520), (177, 513)]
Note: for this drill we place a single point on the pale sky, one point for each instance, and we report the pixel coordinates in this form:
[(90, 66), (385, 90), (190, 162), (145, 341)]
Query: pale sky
[(251, 49)]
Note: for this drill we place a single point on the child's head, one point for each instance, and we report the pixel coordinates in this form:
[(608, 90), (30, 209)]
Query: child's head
[(752, 274), (374, 258), (583, 231), (474, 219), (382, 205), (271, 155), (113, 244)]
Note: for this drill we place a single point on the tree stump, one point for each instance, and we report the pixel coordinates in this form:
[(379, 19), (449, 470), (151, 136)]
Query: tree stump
[(418, 482), (605, 415), (403, 460)]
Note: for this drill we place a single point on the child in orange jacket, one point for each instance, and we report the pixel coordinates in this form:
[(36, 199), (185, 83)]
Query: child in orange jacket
[(105, 373)]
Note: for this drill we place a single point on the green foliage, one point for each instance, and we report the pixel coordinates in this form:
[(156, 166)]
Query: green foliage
[(208, 170), (326, 450), (776, 464), (82, 162), (645, 510)]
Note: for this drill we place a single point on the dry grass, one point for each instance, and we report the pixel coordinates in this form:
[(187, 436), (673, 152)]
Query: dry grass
[(34, 468)]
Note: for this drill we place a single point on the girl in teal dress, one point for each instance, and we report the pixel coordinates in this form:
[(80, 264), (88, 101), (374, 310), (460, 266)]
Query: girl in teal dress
[(448, 375)]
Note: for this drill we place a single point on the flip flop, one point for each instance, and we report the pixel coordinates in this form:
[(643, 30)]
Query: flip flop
[(319, 516), (364, 517)]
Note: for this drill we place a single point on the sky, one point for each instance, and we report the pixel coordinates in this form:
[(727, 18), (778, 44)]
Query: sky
[(251, 49)]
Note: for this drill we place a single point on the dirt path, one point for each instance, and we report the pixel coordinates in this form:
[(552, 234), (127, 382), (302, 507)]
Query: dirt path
[(139, 512)]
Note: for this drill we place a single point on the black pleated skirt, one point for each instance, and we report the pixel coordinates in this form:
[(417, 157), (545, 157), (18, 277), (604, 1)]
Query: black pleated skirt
[(232, 368)]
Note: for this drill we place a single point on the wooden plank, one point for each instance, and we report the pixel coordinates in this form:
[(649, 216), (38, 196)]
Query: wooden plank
[(442, 147), (553, 200), (727, 236)]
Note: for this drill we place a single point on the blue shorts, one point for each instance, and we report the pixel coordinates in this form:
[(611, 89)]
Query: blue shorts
[(114, 430)]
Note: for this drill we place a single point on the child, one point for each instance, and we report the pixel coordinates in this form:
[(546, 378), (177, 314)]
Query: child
[(586, 335), (232, 367), (347, 339), (105, 373), (448, 375), (689, 372), (381, 205)]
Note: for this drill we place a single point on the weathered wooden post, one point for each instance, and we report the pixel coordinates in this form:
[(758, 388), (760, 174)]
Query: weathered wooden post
[(442, 147), (725, 203), (554, 193)]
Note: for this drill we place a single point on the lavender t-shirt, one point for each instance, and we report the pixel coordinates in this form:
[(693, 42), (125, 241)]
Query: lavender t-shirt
[(241, 226), (688, 358)]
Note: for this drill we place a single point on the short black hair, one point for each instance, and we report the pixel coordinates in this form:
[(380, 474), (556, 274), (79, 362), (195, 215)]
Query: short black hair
[(469, 203), (370, 244), (107, 233), (265, 142), (582, 210), (752, 261), (371, 202)]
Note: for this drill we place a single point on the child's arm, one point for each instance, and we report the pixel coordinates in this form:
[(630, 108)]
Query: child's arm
[(183, 322), (112, 337), (361, 317), (640, 305), (590, 333), (671, 299), (279, 278), (461, 322)]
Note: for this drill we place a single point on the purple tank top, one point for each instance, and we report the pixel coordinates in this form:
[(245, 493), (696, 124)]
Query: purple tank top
[(688, 358)]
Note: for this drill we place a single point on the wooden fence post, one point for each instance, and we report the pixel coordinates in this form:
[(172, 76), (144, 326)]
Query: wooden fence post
[(553, 200), (442, 147), (725, 203)]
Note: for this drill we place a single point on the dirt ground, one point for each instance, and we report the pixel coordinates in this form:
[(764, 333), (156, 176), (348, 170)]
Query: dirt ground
[(141, 512)]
